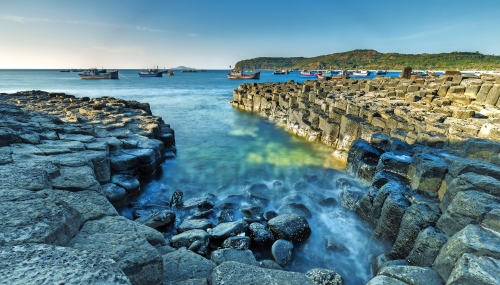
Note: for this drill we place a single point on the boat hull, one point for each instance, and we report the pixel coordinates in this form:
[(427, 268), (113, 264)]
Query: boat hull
[(109, 75), (158, 74), (245, 76)]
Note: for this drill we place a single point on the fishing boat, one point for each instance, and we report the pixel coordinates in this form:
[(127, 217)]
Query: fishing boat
[(361, 73), (280, 72), (153, 72), (76, 70), (238, 74), (170, 73), (381, 72), (307, 73), (97, 74)]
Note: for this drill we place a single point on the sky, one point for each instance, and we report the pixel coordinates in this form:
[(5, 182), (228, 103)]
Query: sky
[(216, 34)]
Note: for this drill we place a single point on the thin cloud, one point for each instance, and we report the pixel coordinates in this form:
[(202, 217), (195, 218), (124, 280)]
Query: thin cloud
[(192, 35), (148, 29), (121, 49), (21, 19)]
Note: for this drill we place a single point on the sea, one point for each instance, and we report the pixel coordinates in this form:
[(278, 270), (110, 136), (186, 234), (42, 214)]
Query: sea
[(221, 150)]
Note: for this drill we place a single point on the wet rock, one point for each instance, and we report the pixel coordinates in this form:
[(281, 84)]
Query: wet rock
[(492, 219), (238, 273), (362, 153), (201, 203), (183, 264), (120, 161), (113, 237), (295, 208), (225, 230), (269, 215), (114, 193), (472, 239), (194, 224), (412, 275), (291, 227), (427, 246), (157, 219), (328, 202), (226, 215), (281, 251), (128, 182), (252, 214), (471, 269), (202, 281), (384, 280), (144, 156), (427, 172), (349, 196), (322, 276), (270, 264), (229, 254), (333, 245), (176, 198), (397, 163), (188, 238), (237, 242), (42, 263), (257, 193), (260, 236)]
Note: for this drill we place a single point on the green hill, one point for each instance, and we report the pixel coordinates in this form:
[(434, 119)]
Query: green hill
[(371, 59)]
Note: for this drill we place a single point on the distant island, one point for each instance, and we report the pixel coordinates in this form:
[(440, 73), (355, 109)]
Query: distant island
[(372, 59), (181, 67)]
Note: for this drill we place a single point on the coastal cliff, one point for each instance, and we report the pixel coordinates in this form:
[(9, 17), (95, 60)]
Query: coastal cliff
[(427, 151)]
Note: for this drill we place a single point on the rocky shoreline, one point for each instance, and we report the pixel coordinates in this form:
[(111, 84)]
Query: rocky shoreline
[(427, 151), (65, 161)]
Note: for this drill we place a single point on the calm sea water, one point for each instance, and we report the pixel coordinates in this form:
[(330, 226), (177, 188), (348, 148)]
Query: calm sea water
[(220, 150)]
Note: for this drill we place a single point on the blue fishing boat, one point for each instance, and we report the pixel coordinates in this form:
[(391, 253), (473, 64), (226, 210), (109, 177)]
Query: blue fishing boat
[(97, 74), (154, 72)]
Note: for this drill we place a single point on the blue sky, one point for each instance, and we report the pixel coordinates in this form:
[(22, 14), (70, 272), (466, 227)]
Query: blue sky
[(216, 34)]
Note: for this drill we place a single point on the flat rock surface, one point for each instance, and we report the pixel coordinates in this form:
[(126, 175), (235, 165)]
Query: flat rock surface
[(243, 274), (118, 238), (183, 264), (46, 264)]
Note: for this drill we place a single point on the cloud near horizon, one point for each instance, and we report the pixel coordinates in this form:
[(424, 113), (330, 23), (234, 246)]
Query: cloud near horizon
[(20, 19), (122, 49)]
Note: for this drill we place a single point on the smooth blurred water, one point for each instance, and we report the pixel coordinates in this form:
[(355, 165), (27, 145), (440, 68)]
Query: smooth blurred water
[(220, 150)]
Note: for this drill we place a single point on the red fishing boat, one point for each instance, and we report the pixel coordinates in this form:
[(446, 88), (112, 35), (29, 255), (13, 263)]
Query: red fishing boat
[(238, 74)]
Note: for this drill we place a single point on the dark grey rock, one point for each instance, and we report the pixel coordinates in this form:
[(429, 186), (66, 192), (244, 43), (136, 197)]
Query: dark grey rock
[(157, 219), (237, 242), (238, 273), (492, 219), (186, 239), (257, 193), (229, 254), (390, 216), (76, 179), (46, 264), (322, 276), (427, 172), (397, 163), (260, 236), (427, 246), (295, 208), (270, 264), (128, 182), (120, 161), (225, 230), (269, 215), (183, 264), (362, 153), (200, 203), (194, 224), (252, 213), (176, 198), (333, 245), (384, 280), (114, 193), (281, 251), (349, 196), (144, 156), (291, 227)]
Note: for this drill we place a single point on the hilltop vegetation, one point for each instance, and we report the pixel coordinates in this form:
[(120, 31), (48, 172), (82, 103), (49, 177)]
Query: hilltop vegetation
[(371, 59)]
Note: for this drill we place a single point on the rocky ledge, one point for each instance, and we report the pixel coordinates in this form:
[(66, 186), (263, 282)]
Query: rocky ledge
[(426, 150), (64, 162)]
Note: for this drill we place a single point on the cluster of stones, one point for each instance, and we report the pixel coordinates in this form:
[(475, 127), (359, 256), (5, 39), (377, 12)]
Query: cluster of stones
[(427, 151), (435, 111), (65, 161)]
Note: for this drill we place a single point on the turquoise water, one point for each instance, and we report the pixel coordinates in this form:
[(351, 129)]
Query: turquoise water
[(221, 149)]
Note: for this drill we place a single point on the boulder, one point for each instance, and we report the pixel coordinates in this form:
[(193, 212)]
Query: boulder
[(475, 270), (391, 214), (183, 264), (260, 236), (195, 240), (472, 239), (427, 172), (384, 280), (157, 219), (238, 273), (48, 264), (229, 254), (362, 153), (291, 227), (412, 275), (296, 208), (120, 239), (114, 193), (395, 162), (237, 242), (120, 161), (194, 224), (127, 182), (225, 230), (269, 264), (322, 276), (281, 251)]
